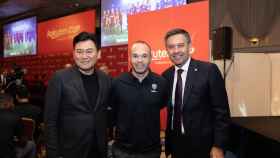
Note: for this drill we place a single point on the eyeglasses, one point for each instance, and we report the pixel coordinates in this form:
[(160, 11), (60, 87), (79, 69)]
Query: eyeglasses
[(87, 51)]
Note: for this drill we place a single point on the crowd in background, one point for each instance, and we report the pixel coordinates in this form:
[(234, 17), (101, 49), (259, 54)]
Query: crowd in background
[(20, 101)]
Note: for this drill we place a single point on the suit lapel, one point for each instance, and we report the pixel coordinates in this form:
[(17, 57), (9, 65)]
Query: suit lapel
[(191, 77), (101, 90)]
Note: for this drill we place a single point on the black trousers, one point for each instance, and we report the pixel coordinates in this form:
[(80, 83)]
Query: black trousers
[(119, 153), (182, 147)]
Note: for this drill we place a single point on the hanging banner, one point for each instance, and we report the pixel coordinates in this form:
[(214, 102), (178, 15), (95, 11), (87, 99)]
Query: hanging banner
[(56, 36)]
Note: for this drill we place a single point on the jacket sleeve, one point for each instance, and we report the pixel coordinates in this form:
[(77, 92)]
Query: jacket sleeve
[(52, 111), (168, 103), (220, 107), (113, 103)]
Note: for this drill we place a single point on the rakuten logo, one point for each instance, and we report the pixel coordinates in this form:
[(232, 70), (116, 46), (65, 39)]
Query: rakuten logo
[(159, 54)]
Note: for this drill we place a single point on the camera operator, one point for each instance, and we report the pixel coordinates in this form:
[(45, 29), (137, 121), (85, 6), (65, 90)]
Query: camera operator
[(15, 80)]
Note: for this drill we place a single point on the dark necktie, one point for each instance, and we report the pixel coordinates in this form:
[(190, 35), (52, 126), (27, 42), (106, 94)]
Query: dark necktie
[(178, 103)]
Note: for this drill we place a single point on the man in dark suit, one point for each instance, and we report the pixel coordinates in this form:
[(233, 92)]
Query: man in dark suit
[(76, 103), (198, 113)]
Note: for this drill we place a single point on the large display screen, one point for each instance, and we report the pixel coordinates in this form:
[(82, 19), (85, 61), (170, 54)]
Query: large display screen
[(114, 17), (20, 37)]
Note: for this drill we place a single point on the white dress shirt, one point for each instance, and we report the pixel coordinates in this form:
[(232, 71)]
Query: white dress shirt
[(185, 68)]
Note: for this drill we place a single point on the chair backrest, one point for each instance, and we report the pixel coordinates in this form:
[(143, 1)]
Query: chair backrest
[(29, 127)]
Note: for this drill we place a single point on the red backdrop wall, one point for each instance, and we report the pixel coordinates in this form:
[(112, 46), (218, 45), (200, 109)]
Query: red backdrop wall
[(115, 57), (152, 26)]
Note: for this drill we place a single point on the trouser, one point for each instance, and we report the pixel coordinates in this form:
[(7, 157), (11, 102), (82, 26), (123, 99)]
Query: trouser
[(182, 147), (119, 153)]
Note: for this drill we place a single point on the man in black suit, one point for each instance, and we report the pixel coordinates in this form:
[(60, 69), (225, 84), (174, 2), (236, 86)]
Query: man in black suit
[(76, 103), (198, 113)]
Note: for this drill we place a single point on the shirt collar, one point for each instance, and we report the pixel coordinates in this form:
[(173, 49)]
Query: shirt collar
[(148, 77)]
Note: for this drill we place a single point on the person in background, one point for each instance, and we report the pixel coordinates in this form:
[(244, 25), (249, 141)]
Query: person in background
[(67, 65), (24, 108), (198, 113), (105, 69), (137, 97), (3, 80), (11, 126), (76, 103)]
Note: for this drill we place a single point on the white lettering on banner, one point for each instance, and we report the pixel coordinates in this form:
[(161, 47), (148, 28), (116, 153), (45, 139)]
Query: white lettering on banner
[(159, 54)]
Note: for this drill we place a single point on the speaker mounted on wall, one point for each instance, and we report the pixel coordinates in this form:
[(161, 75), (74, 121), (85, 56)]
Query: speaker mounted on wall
[(222, 43)]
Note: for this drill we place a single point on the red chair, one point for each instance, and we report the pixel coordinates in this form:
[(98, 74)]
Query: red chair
[(29, 127)]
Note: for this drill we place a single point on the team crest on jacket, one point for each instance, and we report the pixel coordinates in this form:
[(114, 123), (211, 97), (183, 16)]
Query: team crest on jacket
[(154, 88)]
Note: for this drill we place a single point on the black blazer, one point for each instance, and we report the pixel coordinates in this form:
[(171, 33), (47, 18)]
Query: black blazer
[(205, 106), (70, 119)]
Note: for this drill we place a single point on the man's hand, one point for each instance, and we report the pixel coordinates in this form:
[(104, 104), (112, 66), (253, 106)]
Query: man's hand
[(216, 152)]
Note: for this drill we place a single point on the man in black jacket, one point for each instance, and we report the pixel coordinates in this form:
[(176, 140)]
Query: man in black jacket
[(76, 104), (198, 113), (137, 97)]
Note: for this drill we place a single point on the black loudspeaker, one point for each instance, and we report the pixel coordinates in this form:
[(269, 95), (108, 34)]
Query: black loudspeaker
[(222, 43)]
